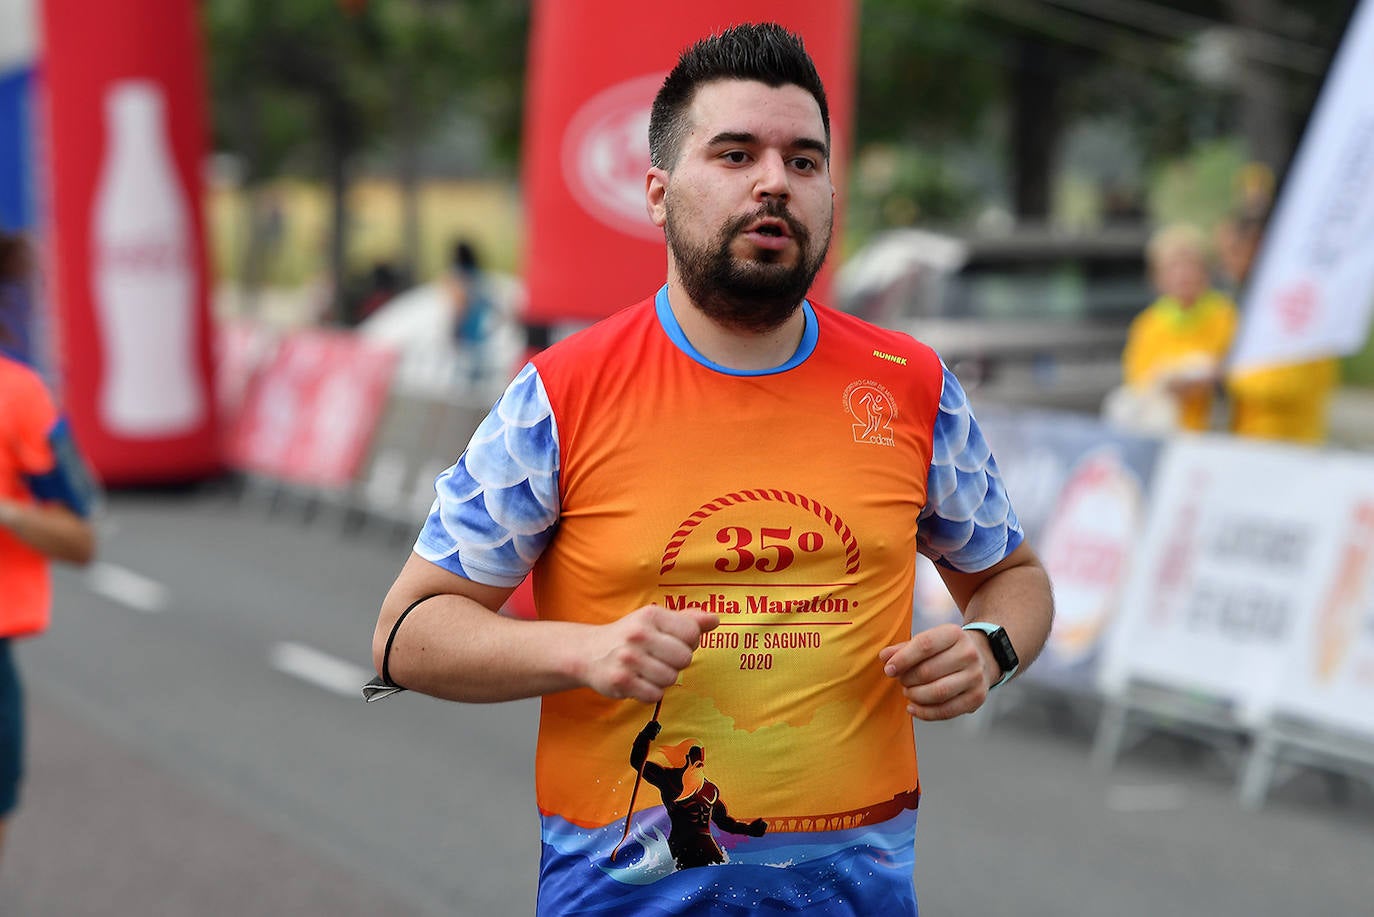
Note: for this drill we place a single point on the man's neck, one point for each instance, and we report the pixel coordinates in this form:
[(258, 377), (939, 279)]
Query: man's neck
[(730, 346)]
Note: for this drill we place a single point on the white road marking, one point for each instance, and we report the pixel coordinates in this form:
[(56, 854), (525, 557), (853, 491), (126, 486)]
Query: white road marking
[(1167, 797), (320, 669), (122, 585)]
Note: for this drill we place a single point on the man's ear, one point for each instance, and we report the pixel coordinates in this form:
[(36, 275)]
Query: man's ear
[(655, 193)]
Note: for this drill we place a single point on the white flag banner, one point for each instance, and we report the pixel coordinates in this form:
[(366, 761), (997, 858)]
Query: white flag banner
[(1238, 536), (1312, 292)]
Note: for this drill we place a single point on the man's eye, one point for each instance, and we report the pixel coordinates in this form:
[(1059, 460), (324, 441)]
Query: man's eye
[(736, 156), (803, 164)]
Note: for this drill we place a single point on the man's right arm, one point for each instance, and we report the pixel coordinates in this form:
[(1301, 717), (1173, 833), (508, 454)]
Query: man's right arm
[(455, 646)]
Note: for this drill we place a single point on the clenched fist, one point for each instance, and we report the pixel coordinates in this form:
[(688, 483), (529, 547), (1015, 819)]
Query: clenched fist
[(643, 653), (944, 672)]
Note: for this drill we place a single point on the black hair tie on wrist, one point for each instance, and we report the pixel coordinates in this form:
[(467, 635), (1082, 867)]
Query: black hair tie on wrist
[(382, 686)]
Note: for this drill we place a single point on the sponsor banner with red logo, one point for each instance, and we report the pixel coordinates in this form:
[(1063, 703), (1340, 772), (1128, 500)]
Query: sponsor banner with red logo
[(310, 413), (124, 109), (1078, 489), (1313, 287), (595, 67), (1332, 661), (1240, 536), (243, 346)]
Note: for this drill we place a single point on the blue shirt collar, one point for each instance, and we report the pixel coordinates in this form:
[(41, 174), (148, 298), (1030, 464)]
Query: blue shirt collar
[(666, 318)]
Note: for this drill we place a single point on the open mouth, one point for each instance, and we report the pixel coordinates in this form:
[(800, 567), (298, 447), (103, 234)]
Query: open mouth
[(771, 230)]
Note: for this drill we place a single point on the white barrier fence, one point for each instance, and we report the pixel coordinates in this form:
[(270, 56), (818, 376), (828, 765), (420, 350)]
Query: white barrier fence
[(1219, 587), (1204, 583)]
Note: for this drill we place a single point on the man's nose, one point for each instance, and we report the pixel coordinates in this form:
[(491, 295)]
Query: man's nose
[(771, 177)]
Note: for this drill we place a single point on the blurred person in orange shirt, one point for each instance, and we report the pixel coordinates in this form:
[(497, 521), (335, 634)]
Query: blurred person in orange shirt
[(46, 496), (1175, 347), (1289, 401)]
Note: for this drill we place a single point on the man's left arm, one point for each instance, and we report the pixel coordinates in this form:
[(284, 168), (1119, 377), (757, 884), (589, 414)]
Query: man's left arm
[(969, 528)]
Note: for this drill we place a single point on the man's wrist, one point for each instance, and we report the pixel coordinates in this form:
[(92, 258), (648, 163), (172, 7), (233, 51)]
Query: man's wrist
[(10, 514), (991, 669)]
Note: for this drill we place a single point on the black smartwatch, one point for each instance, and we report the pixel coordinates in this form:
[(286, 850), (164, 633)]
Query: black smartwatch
[(1002, 650)]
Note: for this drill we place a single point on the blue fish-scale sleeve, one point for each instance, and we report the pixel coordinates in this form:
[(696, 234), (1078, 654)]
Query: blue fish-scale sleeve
[(968, 523), (496, 507)]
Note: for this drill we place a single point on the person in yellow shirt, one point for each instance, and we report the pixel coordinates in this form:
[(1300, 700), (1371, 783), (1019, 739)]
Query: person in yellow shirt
[(1175, 347), (1289, 402), (1284, 401)]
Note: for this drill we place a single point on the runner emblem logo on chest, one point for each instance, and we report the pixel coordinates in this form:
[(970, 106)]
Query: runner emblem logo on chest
[(873, 409)]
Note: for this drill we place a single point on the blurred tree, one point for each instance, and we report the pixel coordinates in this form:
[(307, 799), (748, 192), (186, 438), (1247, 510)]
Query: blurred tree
[(444, 56), (294, 78), (317, 82), (1018, 73), (926, 77)]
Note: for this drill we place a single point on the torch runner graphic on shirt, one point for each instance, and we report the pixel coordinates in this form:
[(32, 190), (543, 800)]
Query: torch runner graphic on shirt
[(693, 803)]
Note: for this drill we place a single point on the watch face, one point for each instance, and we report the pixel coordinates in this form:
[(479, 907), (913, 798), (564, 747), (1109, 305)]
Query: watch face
[(1002, 650)]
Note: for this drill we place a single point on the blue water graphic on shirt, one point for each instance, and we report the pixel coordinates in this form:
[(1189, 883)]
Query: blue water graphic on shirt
[(855, 873)]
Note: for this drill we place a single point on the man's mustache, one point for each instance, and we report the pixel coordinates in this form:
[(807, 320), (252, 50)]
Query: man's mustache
[(771, 211)]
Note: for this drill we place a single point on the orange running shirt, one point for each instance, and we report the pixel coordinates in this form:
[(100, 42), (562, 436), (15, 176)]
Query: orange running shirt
[(625, 469), (27, 416)]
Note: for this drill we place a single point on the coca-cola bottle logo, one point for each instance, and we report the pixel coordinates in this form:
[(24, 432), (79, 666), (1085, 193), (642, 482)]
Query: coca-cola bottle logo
[(144, 281), (606, 155), (144, 255)]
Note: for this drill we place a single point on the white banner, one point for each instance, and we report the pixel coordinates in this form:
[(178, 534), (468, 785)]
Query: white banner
[(1240, 536), (1332, 662), (1312, 293)]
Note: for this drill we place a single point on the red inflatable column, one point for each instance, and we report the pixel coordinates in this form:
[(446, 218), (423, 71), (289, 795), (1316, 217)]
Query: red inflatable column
[(126, 141)]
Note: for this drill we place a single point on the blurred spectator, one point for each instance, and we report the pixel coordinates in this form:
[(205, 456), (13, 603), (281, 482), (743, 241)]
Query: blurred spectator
[(384, 282), (1172, 362), (16, 298), (1285, 402), (45, 501), (474, 307)]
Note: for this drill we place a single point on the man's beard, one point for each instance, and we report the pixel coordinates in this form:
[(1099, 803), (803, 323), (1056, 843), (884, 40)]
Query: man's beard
[(755, 294)]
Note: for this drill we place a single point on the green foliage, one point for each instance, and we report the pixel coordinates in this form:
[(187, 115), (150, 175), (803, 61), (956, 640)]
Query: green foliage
[(1200, 187), (896, 185), (927, 71), (1358, 369), (292, 79)]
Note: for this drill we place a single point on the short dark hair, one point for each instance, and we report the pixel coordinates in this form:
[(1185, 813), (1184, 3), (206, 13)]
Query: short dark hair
[(765, 52), (464, 255)]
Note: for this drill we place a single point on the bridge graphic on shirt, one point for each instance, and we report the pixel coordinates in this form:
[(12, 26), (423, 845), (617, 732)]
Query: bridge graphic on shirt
[(843, 821)]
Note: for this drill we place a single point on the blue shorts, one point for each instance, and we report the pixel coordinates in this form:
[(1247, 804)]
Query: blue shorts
[(11, 730)]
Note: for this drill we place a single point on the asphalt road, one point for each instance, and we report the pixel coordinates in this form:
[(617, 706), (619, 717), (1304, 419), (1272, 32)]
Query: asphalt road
[(198, 748)]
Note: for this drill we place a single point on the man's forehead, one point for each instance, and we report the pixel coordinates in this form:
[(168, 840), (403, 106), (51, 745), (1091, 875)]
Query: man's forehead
[(730, 105)]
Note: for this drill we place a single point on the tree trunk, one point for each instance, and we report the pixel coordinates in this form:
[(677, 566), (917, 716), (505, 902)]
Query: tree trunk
[(1263, 116), (408, 174), (341, 306), (246, 121), (1036, 118)]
